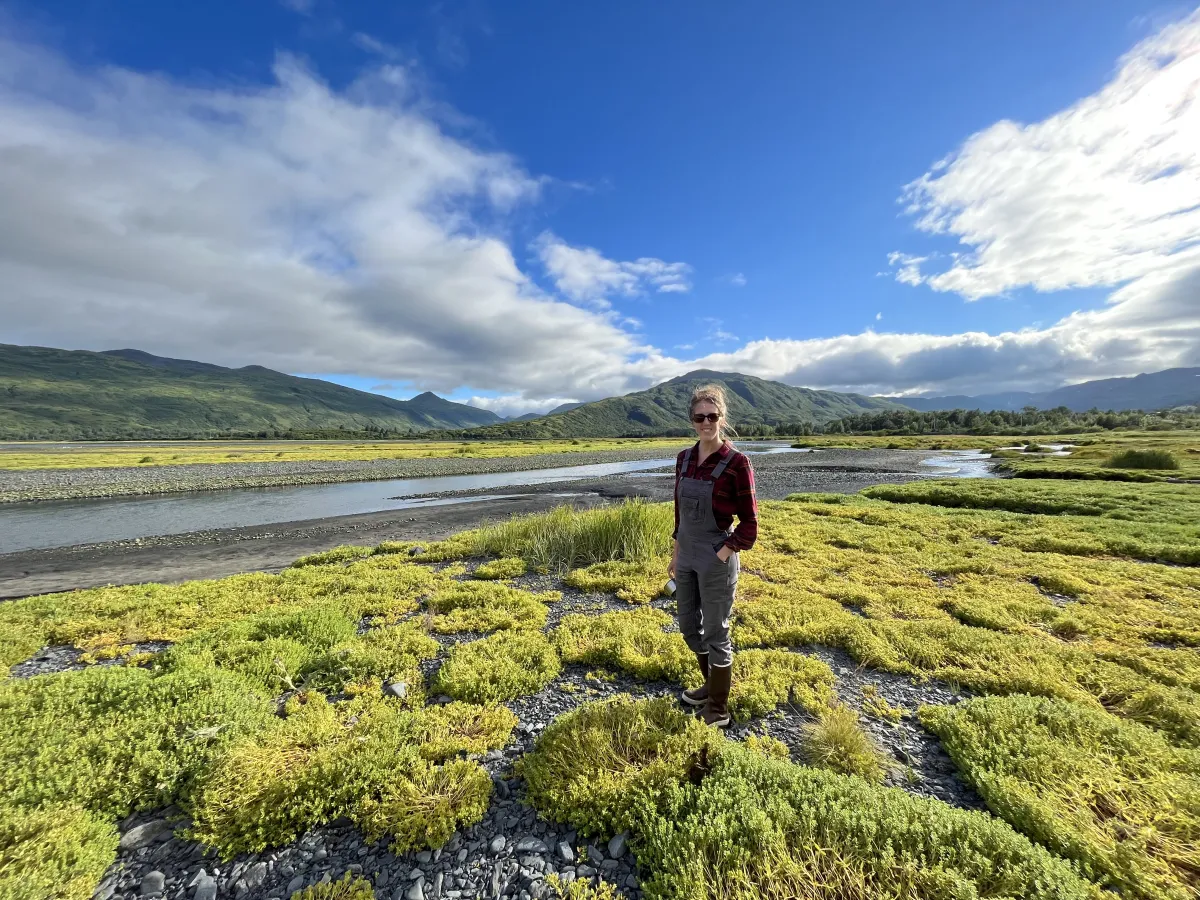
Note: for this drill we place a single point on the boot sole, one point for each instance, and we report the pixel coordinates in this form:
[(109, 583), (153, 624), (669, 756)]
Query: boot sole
[(721, 723), (690, 702)]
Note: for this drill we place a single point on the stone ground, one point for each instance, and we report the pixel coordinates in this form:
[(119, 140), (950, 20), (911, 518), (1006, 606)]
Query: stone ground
[(511, 851)]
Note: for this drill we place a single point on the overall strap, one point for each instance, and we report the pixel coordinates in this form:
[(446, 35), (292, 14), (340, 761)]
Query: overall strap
[(687, 458), (723, 463)]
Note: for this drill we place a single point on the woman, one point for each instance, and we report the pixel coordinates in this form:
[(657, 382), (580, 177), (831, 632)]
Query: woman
[(713, 482)]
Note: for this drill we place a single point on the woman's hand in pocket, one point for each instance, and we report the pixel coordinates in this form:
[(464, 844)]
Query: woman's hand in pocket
[(724, 553)]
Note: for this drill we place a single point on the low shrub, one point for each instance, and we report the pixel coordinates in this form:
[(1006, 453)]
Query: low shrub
[(58, 851), (837, 742), (115, 740), (631, 641), (342, 554), (710, 818), (498, 569), (1112, 795), (447, 731), (590, 762), (361, 759), (763, 679), (349, 887), (581, 889), (499, 667), (633, 582), (1142, 459), (390, 653), (480, 607)]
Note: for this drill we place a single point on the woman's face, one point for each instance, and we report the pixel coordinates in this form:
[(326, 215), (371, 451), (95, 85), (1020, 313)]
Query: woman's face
[(708, 429)]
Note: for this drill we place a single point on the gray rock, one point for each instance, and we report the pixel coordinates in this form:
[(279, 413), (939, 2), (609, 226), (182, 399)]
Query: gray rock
[(397, 689), (144, 835), (585, 871), (295, 884), (616, 847), (531, 845), (153, 884), (631, 882), (424, 857), (416, 890), (595, 854), (196, 878), (565, 853), (497, 844), (105, 889), (416, 551), (381, 880), (436, 892), (255, 876), (206, 889), (443, 699)]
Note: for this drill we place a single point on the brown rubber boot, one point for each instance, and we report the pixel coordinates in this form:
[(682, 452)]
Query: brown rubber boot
[(697, 696), (716, 710)]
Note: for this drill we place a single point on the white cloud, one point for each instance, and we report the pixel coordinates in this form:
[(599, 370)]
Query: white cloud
[(1104, 192), (303, 7), (908, 268), (509, 405), (716, 330), (584, 274), (878, 316), (737, 279)]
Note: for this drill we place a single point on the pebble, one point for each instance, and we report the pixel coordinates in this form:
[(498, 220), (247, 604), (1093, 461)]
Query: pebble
[(153, 884), (497, 844), (416, 891), (144, 835), (616, 847), (565, 853), (206, 889)]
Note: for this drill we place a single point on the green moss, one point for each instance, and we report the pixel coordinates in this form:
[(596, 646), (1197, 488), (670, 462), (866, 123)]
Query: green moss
[(499, 667), (763, 679), (344, 553), (59, 851), (1112, 795), (634, 582), (426, 807)]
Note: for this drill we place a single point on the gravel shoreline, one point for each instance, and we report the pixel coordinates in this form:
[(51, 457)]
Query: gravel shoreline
[(511, 851)]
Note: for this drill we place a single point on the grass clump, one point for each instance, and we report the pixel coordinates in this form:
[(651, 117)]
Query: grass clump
[(59, 851), (1112, 795), (633, 642), (1142, 459), (484, 606), (710, 818), (499, 569), (836, 741), (502, 666), (349, 887), (565, 538), (876, 706)]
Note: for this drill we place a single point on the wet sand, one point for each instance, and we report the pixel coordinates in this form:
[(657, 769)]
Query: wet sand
[(270, 548)]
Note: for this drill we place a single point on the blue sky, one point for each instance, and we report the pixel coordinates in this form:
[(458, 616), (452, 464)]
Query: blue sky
[(525, 203)]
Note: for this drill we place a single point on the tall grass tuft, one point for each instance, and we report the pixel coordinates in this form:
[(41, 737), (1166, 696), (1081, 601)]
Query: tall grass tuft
[(1142, 459), (567, 539)]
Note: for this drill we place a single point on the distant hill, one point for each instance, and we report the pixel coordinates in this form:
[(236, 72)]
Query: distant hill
[(1158, 390), (129, 394), (663, 409)]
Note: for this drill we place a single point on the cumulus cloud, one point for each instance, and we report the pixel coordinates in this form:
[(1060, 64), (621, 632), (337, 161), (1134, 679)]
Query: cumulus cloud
[(1104, 192), (585, 274), (349, 232), (737, 279)]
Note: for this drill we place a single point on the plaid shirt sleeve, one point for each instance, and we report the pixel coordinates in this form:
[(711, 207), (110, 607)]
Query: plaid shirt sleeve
[(678, 466), (746, 533)]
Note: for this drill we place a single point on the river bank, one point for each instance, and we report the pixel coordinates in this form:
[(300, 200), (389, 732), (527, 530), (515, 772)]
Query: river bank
[(269, 548)]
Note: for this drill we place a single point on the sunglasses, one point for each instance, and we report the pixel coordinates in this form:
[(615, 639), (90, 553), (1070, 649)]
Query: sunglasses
[(711, 417)]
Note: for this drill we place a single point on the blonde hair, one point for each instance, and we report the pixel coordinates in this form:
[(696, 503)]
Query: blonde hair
[(714, 394)]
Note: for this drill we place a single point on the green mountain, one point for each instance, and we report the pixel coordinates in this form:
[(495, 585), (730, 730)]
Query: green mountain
[(127, 394), (663, 409)]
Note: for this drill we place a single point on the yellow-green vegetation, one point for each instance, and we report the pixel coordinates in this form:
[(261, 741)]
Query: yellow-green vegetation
[(1120, 456), (876, 706), (634, 582), (344, 553), (53, 456), (499, 667), (1112, 795), (566, 539), (384, 587), (712, 819), (836, 741), (633, 642), (61, 852), (484, 606), (581, 889), (763, 679), (362, 759), (349, 887), (499, 569)]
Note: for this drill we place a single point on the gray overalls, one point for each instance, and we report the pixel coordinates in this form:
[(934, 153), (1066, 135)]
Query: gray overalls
[(704, 585)]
